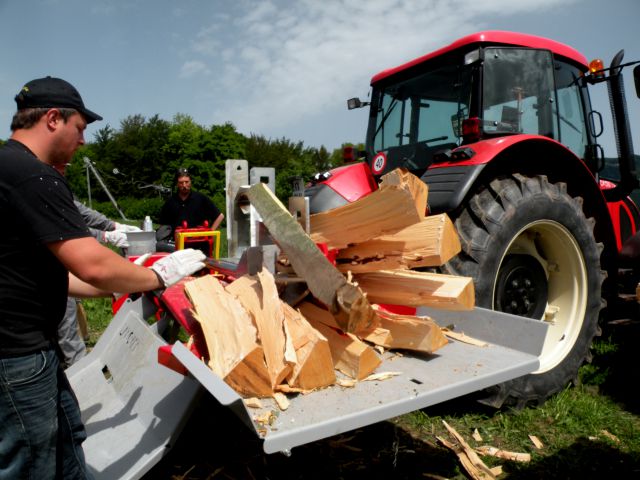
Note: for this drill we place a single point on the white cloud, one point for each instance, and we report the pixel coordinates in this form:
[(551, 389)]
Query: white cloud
[(284, 60), (192, 68)]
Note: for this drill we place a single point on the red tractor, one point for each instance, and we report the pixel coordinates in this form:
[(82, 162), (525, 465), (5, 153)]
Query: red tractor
[(500, 127)]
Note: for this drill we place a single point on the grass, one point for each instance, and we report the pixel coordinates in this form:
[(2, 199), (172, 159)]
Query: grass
[(588, 431)]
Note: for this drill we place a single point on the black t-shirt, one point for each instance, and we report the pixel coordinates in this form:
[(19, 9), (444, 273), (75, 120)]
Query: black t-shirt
[(195, 209), (36, 208)]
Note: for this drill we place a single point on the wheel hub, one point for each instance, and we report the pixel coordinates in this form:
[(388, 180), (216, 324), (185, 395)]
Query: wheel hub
[(522, 287)]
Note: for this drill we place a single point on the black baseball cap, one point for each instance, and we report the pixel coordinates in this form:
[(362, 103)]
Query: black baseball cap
[(51, 92)]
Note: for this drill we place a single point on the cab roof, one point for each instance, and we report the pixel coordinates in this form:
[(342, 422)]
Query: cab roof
[(493, 37)]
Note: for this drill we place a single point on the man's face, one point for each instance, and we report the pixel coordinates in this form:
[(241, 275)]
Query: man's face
[(69, 136), (184, 185)]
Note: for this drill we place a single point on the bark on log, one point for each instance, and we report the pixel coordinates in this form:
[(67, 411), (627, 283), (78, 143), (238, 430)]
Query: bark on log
[(326, 283)]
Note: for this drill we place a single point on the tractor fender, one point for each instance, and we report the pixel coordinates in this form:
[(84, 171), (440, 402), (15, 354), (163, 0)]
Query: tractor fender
[(451, 183)]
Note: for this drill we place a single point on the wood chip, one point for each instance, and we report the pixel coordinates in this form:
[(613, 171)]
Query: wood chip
[(253, 402), (381, 376), (476, 435), (610, 436), (461, 337), (265, 418), (536, 442), (346, 382), (496, 452), (476, 468), (281, 400), (497, 470)]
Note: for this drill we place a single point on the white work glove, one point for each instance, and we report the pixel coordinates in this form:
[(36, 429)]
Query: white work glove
[(121, 227), (115, 238), (179, 264)]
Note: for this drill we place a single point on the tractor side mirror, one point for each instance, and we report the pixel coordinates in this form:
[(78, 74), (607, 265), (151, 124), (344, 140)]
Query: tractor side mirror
[(356, 103)]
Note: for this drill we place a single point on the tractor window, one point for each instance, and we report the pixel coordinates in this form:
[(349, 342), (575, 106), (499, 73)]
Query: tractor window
[(422, 110), (573, 130), (517, 92)]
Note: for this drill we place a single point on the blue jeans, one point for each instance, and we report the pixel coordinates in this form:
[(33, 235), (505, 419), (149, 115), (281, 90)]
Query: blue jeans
[(40, 427)]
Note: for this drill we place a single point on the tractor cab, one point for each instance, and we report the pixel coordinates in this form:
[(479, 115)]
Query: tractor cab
[(484, 86)]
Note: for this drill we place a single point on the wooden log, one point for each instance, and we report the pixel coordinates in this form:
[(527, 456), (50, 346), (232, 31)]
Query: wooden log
[(345, 300), (259, 296), (350, 355), (234, 354), (314, 366), (412, 288), (429, 243), (392, 207), (410, 332)]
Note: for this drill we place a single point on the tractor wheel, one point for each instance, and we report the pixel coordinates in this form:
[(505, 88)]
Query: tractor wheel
[(531, 251)]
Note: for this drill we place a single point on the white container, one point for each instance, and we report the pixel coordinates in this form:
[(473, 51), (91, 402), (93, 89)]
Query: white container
[(147, 226), (141, 243)]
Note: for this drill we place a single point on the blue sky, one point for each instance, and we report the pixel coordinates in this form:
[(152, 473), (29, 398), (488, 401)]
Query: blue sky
[(277, 68)]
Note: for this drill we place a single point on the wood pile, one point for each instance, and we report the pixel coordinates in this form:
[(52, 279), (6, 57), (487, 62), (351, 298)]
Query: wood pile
[(261, 344)]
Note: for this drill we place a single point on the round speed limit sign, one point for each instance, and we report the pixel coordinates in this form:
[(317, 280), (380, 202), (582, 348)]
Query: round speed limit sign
[(379, 162)]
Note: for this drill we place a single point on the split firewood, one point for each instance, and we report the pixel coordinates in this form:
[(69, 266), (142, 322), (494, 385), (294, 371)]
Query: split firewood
[(350, 356), (410, 332), (431, 242), (345, 300), (259, 296), (395, 331), (412, 288), (314, 366), (506, 455), (399, 202), (234, 354)]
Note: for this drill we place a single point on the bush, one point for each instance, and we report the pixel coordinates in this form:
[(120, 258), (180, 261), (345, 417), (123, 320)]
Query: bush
[(133, 208)]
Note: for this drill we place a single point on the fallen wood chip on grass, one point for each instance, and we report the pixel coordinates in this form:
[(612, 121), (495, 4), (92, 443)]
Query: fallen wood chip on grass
[(536, 442), (496, 452), (476, 435), (610, 436), (470, 460)]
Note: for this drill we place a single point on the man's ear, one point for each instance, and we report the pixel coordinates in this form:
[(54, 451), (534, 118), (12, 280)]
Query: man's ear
[(53, 118)]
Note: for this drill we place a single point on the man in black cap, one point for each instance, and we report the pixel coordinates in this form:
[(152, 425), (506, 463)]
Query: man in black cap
[(45, 255)]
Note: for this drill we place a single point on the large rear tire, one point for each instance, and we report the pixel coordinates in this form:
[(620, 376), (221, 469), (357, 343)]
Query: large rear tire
[(531, 251)]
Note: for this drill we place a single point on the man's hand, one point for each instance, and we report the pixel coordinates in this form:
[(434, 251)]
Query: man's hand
[(115, 238), (121, 227), (179, 264)]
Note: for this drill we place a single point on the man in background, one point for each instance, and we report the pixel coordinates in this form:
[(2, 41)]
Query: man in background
[(189, 208)]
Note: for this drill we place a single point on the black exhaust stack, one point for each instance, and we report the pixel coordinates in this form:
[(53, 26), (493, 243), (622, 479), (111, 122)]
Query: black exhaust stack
[(624, 142)]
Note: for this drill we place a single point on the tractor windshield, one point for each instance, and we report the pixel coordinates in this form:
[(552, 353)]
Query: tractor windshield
[(413, 118), (518, 93)]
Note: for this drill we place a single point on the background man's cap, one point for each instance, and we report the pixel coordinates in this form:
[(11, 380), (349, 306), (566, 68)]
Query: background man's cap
[(50, 92)]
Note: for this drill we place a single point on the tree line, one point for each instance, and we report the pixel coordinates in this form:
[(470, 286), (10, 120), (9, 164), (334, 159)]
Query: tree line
[(138, 161)]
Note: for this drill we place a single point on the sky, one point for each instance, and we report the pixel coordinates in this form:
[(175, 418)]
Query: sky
[(276, 68)]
